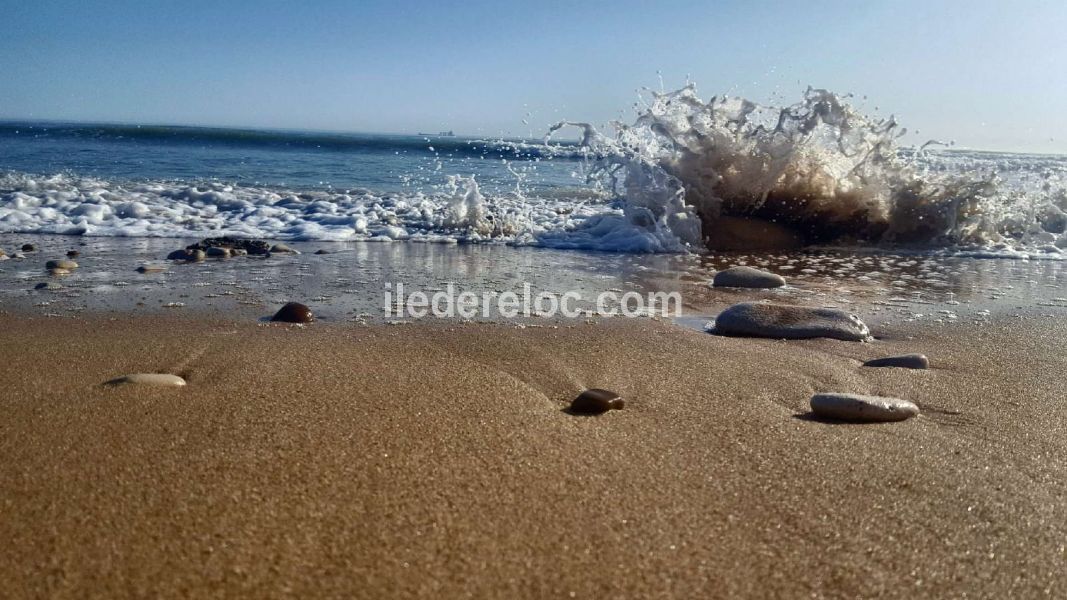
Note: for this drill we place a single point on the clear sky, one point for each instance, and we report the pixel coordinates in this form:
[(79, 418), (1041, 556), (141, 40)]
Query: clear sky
[(985, 73)]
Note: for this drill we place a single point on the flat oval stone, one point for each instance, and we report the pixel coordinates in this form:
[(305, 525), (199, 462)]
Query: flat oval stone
[(758, 319), (73, 254), (156, 379), (747, 277), (904, 361), (69, 265), (58, 271), (28, 248), (294, 312), (151, 269), (47, 286), (595, 401), (862, 409), (283, 249), (216, 252), (194, 255)]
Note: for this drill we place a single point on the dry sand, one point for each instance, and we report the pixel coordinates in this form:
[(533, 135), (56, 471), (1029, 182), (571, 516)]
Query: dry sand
[(434, 460)]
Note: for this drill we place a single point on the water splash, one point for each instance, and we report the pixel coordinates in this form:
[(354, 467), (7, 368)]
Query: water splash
[(729, 173)]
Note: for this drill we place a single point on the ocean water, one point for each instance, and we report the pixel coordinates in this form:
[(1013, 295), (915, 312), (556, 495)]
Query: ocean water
[(684, 176)]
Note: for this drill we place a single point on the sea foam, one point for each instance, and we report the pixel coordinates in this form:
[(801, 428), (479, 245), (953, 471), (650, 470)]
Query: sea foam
[(686, 176)]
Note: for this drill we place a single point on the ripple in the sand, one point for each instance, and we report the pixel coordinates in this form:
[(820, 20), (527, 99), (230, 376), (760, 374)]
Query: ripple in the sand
[(68, 265), (154, 379), (756, 319), (595, 401), (747, 277), (294, 312), (904, 361), (862, 409)]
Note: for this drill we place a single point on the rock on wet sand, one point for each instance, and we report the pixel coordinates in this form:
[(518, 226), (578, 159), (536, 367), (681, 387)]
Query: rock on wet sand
[(154, 379), (595, 401), (283, 249), (862, 409), (747, 277), (294, 312), (187, 255), (151, 269), (904, 361), (756, 319), (237, 246), (68, 265)]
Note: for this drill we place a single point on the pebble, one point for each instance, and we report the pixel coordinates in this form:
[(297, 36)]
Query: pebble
[(69, 265), (862, 409), (246, 246), (187, 255), (156, 379), (73, 254), (282, 249), (904, 361), (217, 252), (747, 277), (294, 312), (47, 285), (151, 269), (595, 401), (58, 271), (321, 251), (29, 248), (757, 319)]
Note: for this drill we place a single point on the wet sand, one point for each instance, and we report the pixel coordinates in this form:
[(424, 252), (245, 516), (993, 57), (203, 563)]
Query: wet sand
[(435, 460)]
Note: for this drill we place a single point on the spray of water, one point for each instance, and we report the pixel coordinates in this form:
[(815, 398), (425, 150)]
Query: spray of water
[(732, 173)]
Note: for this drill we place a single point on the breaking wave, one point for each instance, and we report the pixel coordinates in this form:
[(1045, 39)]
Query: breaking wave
[(685, 176), (729, 174)]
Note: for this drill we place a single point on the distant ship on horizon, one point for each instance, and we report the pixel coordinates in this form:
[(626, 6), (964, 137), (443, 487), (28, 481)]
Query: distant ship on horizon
[(440, 134)]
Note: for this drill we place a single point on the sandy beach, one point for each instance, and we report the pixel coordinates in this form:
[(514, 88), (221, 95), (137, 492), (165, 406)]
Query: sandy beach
[(436, 460)]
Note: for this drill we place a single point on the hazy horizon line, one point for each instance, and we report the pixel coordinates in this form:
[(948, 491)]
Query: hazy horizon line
[(416, 133)]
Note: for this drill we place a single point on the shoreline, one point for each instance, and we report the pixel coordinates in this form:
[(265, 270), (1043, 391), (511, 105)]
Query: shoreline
[(435, 459)]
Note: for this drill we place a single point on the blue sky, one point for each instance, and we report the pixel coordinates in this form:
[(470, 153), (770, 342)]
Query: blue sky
[(984, 73)]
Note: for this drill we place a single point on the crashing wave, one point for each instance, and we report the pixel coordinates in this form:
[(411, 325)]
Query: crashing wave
[(732, 174)]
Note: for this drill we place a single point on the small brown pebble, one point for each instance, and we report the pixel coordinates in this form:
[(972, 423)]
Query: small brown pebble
[(73, 254), (294, 312), (595, 401)]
